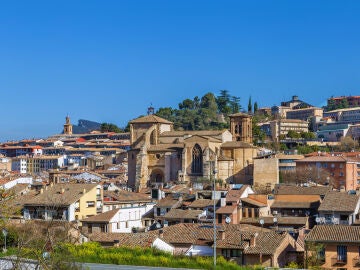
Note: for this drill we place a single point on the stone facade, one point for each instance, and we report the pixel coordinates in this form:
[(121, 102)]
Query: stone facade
[(159, 154)]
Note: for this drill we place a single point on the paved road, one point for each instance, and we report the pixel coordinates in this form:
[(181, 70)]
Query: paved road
[(97, 266)]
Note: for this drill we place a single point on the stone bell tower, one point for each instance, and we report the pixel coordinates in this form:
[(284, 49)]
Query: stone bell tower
[(241, 127), (68, 126)]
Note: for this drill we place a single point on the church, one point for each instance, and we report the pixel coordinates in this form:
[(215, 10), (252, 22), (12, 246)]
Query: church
[(160, 154)]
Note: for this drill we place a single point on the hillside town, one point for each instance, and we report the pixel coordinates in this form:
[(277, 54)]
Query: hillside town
[(213, 193)]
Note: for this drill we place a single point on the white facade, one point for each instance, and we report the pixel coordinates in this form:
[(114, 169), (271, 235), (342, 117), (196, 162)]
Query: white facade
[(197, 250), (163, 246), (14, 182)]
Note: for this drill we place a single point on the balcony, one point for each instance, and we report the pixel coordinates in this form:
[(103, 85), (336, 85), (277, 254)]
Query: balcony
[(336, 262), (356, 261)]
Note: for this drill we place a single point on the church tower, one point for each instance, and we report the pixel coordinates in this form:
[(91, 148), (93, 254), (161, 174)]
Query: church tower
[(68, 126), (241, 127)]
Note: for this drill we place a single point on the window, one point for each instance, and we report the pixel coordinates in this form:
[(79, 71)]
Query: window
[(197, 160), (342, 253), (103, 228), (90, 204), (341, 174), (89, 228)]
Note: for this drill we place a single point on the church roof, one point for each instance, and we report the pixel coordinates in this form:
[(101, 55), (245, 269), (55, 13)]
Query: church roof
[(192, 132), (150, 119), (237, 144), (239, 114), (166, 147)]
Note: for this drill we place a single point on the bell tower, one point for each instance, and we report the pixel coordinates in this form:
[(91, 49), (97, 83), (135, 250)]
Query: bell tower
[(241, 127), (68, 126)]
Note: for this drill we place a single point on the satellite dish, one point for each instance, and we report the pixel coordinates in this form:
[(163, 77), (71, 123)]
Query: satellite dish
[(158, 225), (227, 220), (317, 219)]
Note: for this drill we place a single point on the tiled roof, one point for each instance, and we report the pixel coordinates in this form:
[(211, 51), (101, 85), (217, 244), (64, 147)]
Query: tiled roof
[(168, 202), (150, 119), (180, 214), (334, 233), (253, 202), (239, 114), (266, 243), (303, 204), (54, 195), (323, 159), (236, 144), (280, 220), (202, 203), (234, 195), (228, 209), (339, 201), (127, 196), (126, 239), (192, 132), (166, 147), (296, 190), (103, 217)]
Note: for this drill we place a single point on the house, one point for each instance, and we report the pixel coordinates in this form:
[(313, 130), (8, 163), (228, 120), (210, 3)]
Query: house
[(63, 201), (321, 191), (337, 245), (339, 208), (164, 205), (337, 171), (175, 216), (118, 220), (206, 205), (125, 199)]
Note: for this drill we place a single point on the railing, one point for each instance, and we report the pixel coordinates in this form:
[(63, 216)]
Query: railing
[(336, 261), (356, 262)]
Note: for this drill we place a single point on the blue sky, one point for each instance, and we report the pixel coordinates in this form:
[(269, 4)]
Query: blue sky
[(107, 61)]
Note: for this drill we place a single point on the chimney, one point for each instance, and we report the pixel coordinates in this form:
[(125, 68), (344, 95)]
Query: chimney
[(62, 190), (222, 234), (41, 191), (161, 234), (84, 190), (223, 200), (253, 240)]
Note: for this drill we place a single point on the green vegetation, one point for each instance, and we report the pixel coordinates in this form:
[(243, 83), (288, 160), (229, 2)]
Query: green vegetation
[(92, 252), (108, 127), (207, 112)]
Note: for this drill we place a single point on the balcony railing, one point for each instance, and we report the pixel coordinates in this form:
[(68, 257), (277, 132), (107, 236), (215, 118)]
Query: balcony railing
[(335, 261), (356, 262)]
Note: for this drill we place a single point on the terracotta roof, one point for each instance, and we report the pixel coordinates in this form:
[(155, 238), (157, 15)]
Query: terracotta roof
[(103, 217), (126, 239), (334, 233), (180, 214), (166, 147), (236, 144), (323, 159), (266, 243), (168, 202), (54, 196), (127, 196), (239, 114), (296, 190), (339, 201), (253, 202), (303, 204), (178, 133), (234, 195), (280, 220), (202, 203), (228, 209), (150, 119)]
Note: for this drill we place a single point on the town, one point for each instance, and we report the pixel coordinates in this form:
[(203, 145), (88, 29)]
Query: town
[(275, 187)]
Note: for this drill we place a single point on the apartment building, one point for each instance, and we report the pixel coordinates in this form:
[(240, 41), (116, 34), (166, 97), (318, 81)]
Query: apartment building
[(304, 114), (36, 164), (283, 126)]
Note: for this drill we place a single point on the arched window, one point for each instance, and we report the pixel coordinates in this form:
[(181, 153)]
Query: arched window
[(236, 129), (197, 160)]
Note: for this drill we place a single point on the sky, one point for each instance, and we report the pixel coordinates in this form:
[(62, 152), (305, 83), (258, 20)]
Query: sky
[(108, 61)]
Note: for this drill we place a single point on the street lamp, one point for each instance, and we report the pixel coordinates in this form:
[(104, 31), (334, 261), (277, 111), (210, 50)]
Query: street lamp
[(261, 221), (214, 218), (5, 233)]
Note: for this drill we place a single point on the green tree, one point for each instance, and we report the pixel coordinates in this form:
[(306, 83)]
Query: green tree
[(223, 101), (293, 134), (250, 105), (186, 104), (109, 127), (166, 113), (255, 107), (235, 104)]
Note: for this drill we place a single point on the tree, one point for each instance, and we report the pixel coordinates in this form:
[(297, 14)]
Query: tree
[(235, 104), (166, 113), (255, 107), (109, 127), (348, 144), (186, 104), (250, 105), (223, 101), (293, 134)]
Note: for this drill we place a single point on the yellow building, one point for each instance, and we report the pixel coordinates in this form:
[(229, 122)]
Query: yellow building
[(65, 202)]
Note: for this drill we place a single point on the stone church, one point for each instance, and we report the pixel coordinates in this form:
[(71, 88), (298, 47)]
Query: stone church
[(160, 154)]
